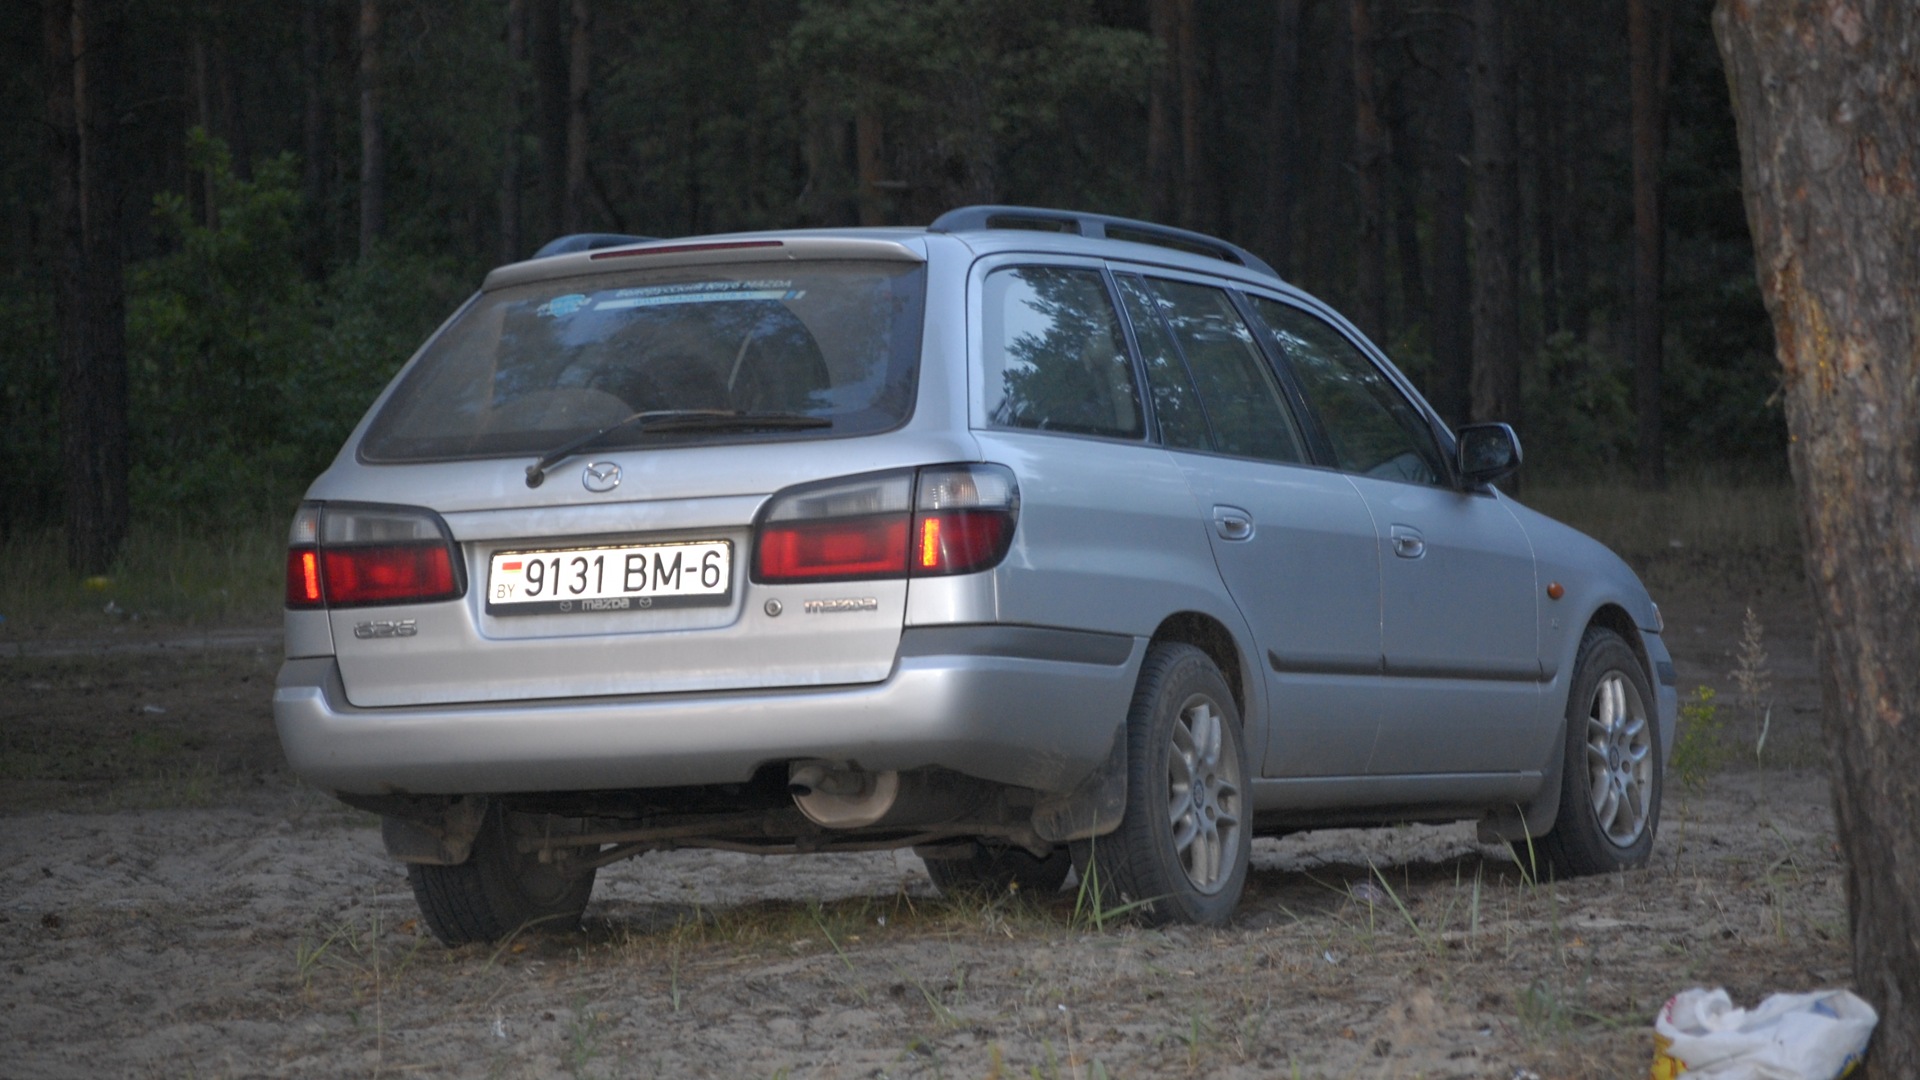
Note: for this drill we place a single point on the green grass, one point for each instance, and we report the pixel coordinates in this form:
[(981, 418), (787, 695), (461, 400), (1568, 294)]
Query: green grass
[(171, 572)]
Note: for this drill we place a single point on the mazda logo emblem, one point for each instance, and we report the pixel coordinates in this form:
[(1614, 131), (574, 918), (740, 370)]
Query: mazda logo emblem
[(601, 476)]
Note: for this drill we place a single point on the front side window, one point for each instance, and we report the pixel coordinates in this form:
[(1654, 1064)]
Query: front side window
[(1374, 429), (1054, 355), (527, 367)]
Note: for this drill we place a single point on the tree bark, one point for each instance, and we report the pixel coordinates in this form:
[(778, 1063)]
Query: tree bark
[(1452, 269), (1828, 109), (1496, 213), (373, 166), (1282, 137), (1648, 48), (1370, 169), (573, 212), (313, 134), (82, 43), (547, 42), (510, 150), (1163, 93), (1405, 167), (1196, 185)]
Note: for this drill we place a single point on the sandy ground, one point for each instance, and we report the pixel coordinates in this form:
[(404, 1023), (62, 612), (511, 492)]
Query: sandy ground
[(173, 904)]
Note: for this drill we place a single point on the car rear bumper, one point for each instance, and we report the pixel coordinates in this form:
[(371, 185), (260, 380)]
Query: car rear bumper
[(1030, 707)]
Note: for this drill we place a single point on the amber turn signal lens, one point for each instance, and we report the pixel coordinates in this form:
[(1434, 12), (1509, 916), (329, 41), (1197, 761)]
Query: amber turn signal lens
[(1555, 590)]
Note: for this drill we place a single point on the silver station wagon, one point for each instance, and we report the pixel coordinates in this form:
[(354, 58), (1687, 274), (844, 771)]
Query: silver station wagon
[(1030, 540)]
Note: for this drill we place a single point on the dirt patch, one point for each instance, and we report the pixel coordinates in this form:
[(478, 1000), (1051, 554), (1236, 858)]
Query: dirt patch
[(172, 903)]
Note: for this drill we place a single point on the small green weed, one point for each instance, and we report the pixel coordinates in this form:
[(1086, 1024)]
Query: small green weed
[(1699, 749)]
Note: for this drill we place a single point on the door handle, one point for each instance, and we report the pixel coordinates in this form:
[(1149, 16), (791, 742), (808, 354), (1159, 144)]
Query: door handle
[(1232, 523), (1407, 541)]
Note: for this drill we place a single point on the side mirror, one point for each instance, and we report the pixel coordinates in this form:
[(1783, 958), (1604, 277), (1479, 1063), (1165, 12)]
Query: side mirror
[(1486, 453)]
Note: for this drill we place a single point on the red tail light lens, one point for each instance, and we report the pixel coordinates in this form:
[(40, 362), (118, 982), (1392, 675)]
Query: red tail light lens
[(342, 555), (388, 574), (954, 519), (833, 550)]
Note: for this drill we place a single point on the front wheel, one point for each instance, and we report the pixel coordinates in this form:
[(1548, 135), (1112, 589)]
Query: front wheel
[(1612, 774), (500, 889), (1183, 845)]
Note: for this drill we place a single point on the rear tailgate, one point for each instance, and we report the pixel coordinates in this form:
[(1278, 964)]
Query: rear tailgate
[(749, 636)]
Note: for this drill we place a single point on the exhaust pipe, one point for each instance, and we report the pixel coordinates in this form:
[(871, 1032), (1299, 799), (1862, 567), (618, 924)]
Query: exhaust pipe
[(835, 795)]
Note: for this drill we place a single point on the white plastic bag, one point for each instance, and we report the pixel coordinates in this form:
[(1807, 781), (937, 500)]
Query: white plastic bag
[(1818, 1036)]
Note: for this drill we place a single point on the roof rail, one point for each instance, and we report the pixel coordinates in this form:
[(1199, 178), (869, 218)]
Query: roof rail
[(593, 241), (973, 218)]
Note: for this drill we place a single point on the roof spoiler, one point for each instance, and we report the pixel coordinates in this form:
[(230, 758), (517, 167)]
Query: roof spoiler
[(567, 245), (1036, 219)]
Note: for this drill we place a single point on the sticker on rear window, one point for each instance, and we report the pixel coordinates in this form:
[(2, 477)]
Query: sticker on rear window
[(562, 306), (702, 292)]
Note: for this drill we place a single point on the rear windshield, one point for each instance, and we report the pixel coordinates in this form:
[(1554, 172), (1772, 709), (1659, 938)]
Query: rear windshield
[(526, 368)]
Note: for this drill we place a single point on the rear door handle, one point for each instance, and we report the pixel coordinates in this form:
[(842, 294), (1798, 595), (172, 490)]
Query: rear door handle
[(1407, 541), (1232, 523)]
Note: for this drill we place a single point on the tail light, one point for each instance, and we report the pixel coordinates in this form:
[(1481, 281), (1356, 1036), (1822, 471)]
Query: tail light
[(343, 555), (949, 519)]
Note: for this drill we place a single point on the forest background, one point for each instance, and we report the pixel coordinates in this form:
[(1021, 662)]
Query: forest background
[(291, 195)]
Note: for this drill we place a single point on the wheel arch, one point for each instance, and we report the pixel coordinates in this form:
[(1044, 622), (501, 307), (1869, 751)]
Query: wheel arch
[(1611, 616), (1210, 636)]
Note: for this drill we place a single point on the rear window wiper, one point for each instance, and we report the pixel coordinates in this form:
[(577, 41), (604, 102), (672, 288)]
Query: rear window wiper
[(649, 420)]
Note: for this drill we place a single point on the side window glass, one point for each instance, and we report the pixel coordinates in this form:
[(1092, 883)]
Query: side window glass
[(1374, 429), (1054, 355), (1176, 403), (1237, 388)]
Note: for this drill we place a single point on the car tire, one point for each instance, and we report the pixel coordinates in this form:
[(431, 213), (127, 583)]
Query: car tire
[(994, 869), (1612, 771), (499, 890), (1180, 854)]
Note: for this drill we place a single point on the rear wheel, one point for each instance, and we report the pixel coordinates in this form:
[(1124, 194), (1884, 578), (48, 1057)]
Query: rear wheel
[(1182, 848), (501, 889), (1611, 781), (995, 868)]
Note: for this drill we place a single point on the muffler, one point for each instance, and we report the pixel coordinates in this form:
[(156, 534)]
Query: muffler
[(835, 795)]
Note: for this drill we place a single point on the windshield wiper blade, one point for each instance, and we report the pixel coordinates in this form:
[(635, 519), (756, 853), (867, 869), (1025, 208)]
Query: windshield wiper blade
[(675, 420)]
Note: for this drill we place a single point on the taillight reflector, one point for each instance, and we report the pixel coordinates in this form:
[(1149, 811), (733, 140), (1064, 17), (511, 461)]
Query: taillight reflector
[(303, 578), (962, 541)]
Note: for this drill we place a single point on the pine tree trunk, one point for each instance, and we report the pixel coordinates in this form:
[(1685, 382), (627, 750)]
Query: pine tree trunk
[(1828, 107), (1496, 219), (1163, 94), (1452, 270), (1370, 169), (1647, 44), (82, 42), (1283, 137), (373, 166), (510, 120), (573, 213)]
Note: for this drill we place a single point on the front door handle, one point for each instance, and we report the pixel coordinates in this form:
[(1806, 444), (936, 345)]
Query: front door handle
[(1232, 523), (1407, 541)]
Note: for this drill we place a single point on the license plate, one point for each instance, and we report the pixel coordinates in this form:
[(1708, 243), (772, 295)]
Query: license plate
[(599, 579)]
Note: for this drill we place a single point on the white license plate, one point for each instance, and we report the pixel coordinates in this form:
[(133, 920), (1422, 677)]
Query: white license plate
[(597, 579)]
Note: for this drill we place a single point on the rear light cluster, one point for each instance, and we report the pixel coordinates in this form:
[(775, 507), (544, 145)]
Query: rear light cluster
[(950, 519), (343, 555)]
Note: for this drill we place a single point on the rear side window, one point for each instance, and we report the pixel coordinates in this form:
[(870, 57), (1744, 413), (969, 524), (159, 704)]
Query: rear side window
[(1054, 355), (528, 367), (1237, 389), (1374, 429)]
